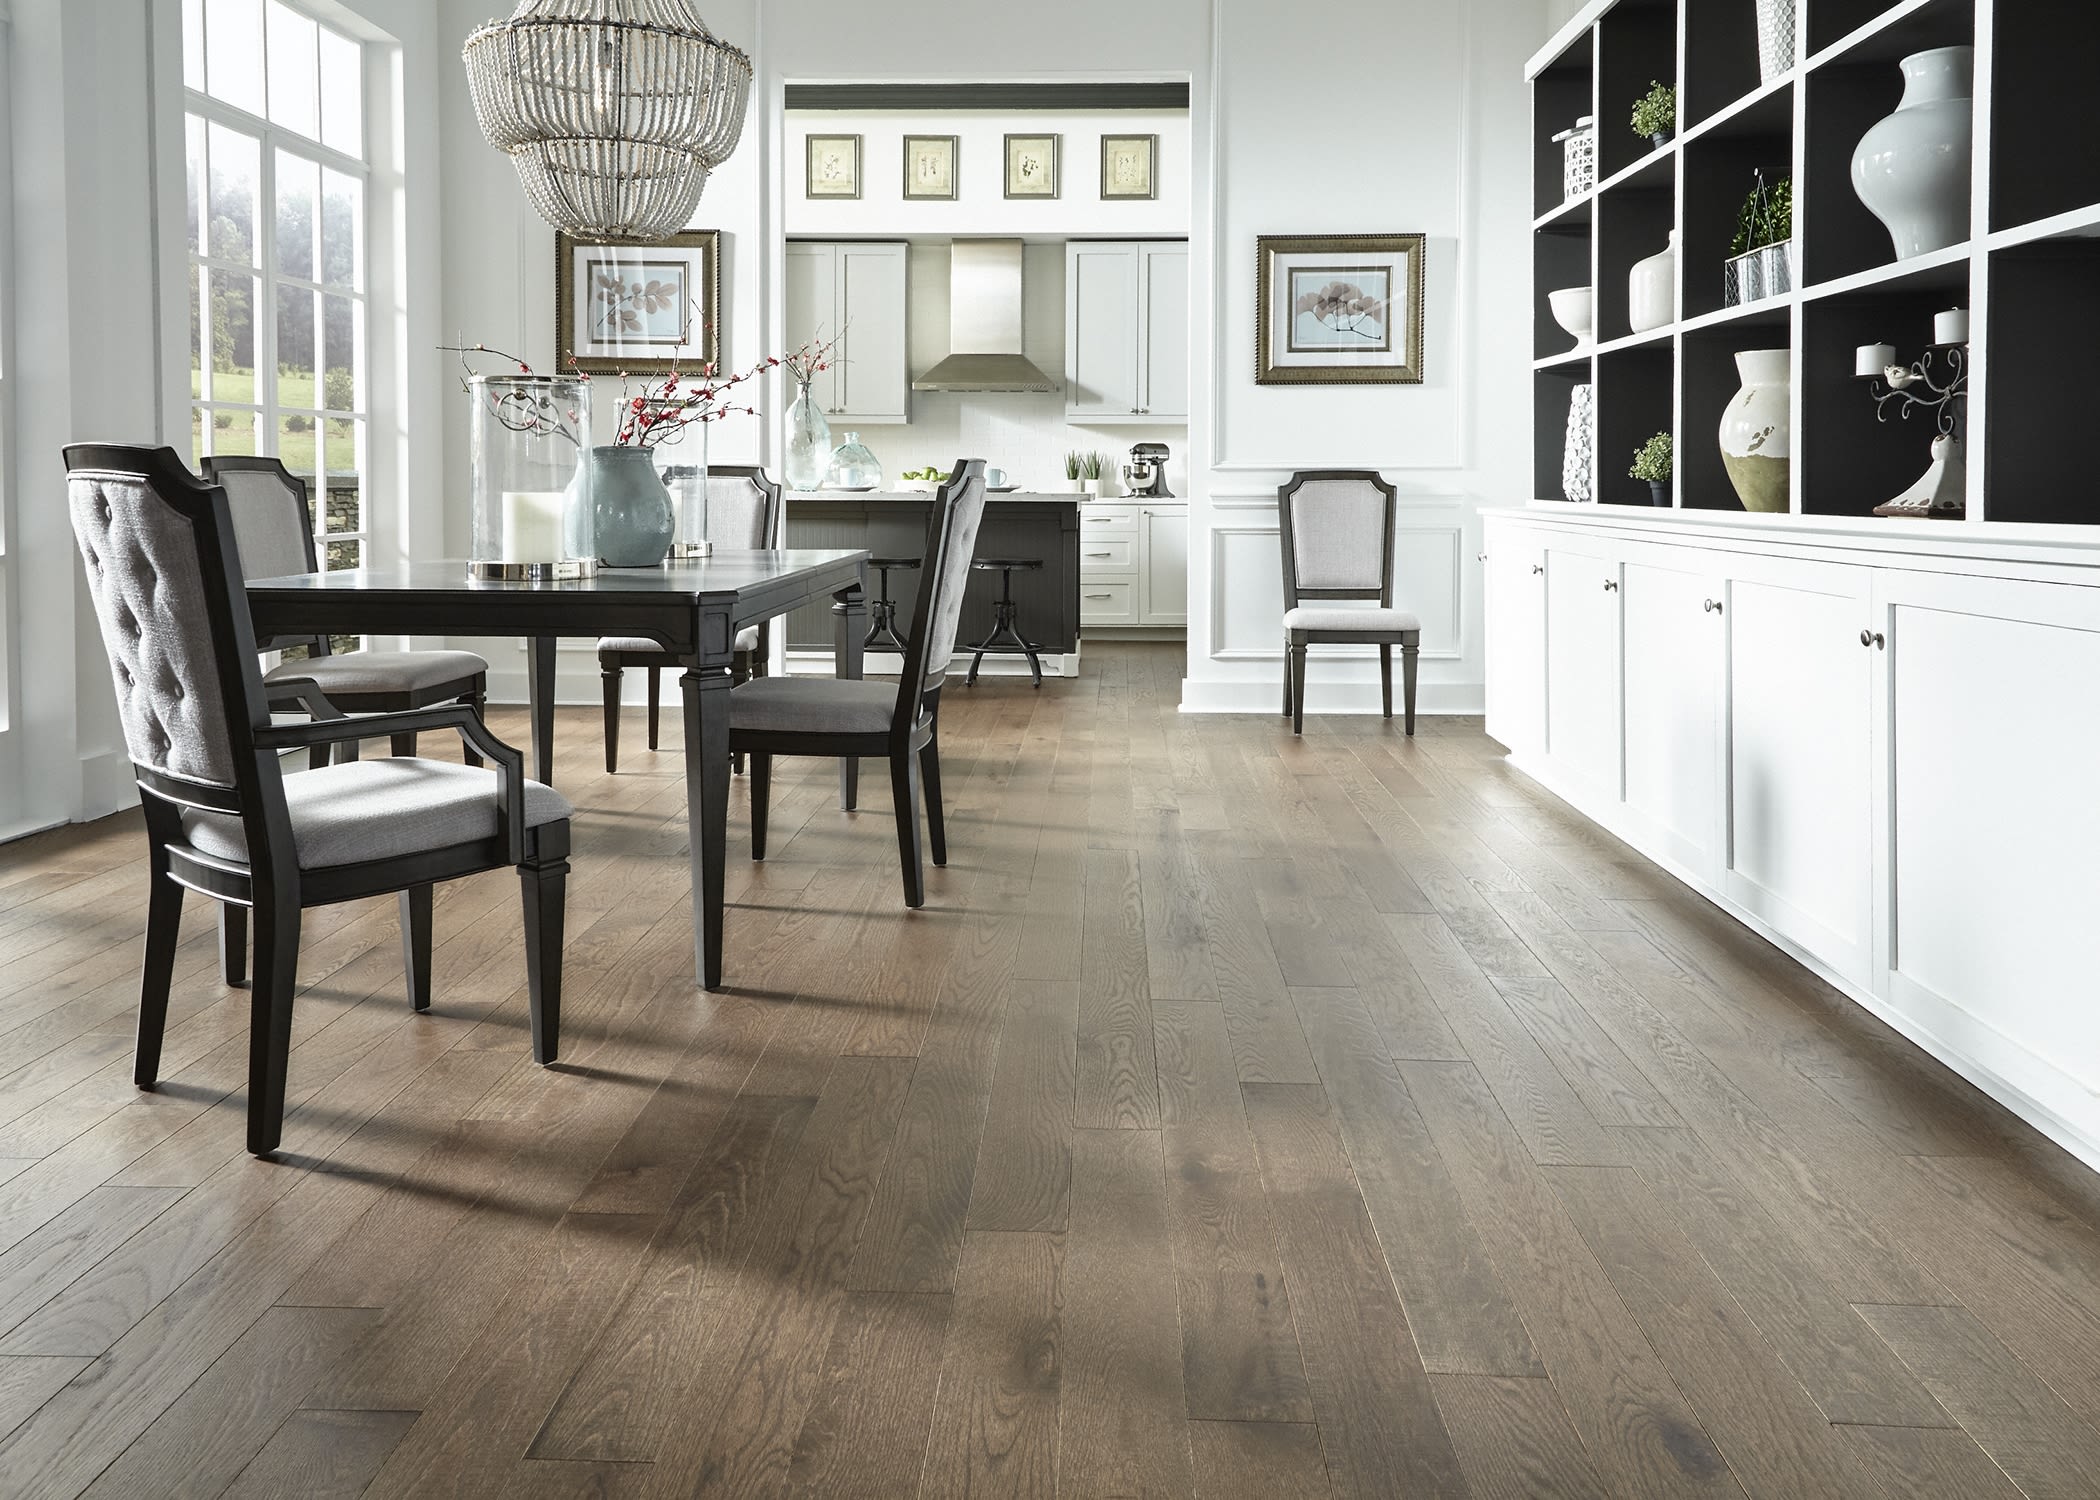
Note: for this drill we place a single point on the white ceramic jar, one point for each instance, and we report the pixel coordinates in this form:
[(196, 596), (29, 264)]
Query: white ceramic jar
[(1651, 294), (1757, 431), (1912, 169)]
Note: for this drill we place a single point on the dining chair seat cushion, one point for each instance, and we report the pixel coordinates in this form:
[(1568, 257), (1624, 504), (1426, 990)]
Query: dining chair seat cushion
[(382, 671), (812, 705), (1343, 617), (380, 809), (641, 645)]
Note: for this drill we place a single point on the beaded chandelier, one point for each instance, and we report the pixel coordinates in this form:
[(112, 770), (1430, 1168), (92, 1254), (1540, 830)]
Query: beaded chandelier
[(613, 111)]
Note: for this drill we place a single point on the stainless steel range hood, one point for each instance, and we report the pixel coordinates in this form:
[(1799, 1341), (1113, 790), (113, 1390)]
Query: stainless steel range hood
[(984, 321)]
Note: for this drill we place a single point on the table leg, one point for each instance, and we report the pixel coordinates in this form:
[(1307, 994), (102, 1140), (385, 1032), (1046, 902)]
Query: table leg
[(706, 693), (849, 616), (539, 687)]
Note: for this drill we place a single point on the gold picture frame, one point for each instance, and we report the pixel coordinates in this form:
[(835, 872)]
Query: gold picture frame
[(1339, 309), (831, 166), (638, 309), (1129, 167)]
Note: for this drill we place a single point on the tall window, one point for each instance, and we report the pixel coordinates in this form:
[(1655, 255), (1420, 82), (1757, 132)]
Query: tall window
[(277, 183)]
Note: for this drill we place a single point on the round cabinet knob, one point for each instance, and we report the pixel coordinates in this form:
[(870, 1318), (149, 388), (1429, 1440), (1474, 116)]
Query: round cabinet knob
[(1480, 557), (1611, 586), (1713, 606), (1538, 567), (1874, 639)]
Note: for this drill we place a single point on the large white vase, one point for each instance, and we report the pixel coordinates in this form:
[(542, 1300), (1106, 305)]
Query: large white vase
[(1651, 293), (1912, 169), (1757, 433)]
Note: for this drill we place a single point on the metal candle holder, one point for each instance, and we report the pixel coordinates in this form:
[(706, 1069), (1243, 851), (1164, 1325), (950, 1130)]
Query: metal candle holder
[(1942, 494)]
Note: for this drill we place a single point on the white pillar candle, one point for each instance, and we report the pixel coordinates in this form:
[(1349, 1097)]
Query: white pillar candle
[(1951, 326), (532, 526), (1873, 359)]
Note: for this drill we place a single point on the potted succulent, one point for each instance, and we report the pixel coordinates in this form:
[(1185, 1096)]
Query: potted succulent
[(1655, 462), (1090, 473), (1761, 257), (1075, 466), (1655, 115)]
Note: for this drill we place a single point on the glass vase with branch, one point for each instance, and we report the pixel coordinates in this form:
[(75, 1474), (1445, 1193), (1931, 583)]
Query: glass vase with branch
[(531, 518)]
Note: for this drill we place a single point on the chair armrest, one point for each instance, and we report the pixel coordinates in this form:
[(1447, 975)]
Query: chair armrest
[(509, 763), (303, 693)]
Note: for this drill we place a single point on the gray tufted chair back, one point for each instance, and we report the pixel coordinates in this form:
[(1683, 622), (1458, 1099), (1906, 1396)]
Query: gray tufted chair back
[(272, 526), (163, 572), (951, 544), (1337, 536)]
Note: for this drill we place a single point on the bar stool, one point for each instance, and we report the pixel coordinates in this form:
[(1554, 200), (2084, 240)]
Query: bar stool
[(1006, 638), (882, 613)]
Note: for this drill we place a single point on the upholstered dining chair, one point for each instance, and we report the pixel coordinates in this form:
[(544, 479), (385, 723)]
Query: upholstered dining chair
[(743, 512), (274, 531), (222, 817), (1338, 541), (830, 717)]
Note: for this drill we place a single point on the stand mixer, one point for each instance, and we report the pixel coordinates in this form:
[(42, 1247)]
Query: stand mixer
[(1145, 476)]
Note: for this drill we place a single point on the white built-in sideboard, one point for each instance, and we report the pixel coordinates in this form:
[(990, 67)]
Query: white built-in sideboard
[(1874, 742)]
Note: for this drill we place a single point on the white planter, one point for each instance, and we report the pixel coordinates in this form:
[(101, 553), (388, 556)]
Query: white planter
[(1757, 431), (1651, 293), (1912, 169), (1578, 470), (1775, 37)]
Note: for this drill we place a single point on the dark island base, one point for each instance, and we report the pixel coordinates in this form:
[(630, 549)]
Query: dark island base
[(894, 525)]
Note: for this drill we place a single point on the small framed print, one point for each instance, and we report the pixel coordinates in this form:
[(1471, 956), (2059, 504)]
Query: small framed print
[(834, 167), (929, 166), (1129, 166), (1339, 309), (1031, 165), (639, 309)]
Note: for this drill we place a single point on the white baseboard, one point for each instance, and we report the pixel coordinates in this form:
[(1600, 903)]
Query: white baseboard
[(1203, 695), (108, 783)]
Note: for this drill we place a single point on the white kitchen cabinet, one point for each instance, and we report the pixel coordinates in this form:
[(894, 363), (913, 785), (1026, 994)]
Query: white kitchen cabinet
[(1582, 665), (1134, 564), (1163, 563), (1675, 623), (1126, 332), (1516, 641), (1872, 748), (857, 293), (1800, 722)]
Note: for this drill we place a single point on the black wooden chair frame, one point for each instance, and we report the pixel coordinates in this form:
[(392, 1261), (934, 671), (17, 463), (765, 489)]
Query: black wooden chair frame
[(471, 690), (1296, 641), (744, 666), (271, 885), (911, 744)]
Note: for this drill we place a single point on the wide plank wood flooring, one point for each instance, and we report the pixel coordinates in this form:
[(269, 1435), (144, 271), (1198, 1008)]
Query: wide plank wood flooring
[(1243, 1116)]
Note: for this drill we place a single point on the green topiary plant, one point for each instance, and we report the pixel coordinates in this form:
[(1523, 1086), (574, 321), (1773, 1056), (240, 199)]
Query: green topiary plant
[(1655, 116), (1767, 216), (1656, 460)]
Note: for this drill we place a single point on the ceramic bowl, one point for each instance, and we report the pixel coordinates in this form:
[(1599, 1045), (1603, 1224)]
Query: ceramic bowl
[(1574, 308)]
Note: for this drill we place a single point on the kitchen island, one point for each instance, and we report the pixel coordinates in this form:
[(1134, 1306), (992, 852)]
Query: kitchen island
[(892, 523)]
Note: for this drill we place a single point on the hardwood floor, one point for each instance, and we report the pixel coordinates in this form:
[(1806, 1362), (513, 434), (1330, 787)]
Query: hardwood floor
[(1243, 1116)]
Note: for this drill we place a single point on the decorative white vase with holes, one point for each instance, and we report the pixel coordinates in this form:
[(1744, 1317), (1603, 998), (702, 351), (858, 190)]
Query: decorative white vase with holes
[(1775, 37), (1578, 470), (1912, 169), (1651, 293)]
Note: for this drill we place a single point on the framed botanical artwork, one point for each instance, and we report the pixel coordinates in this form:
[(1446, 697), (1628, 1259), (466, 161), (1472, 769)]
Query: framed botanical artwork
[(639, 309), (929, 166), (1339, 309), (1032, 165), (833, 167), (1130, 166)]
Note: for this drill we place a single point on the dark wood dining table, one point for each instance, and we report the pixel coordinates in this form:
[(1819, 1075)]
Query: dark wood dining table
[(695, 609)]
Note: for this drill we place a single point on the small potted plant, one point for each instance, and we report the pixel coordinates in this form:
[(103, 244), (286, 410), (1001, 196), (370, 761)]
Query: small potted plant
[(1655, 115), (1090, 474), (1760, 262), (1075, 465), (1655, 461)]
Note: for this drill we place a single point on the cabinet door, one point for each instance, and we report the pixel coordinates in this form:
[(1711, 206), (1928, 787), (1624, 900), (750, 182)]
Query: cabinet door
[(1163, 558), (1101, 331), (1163, 388), (1987, 853), (1582, 667), (874, 375), (812, 296), (1800, 720), (1675, 621), (1516, 640)]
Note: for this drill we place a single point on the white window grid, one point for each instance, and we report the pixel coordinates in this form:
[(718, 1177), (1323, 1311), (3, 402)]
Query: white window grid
[(267, 411)]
